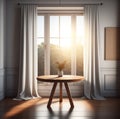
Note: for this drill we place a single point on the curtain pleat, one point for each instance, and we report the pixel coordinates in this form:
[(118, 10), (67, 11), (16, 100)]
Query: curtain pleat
[(28, 54), (92, 85)]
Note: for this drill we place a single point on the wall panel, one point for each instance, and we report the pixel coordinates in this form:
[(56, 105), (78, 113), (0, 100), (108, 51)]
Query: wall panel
[(11, 82), (110, 82)]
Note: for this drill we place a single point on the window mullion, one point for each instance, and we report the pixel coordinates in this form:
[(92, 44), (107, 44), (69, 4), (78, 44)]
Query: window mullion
[(59, 32), (47, 46), (73, 51)]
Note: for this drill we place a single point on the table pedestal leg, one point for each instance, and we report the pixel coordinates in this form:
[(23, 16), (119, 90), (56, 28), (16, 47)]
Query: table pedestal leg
[(60, 91), (52, 94), (69, 95)]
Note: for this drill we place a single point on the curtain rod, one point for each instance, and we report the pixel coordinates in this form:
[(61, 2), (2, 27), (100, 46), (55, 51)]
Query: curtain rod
[(60, 4)]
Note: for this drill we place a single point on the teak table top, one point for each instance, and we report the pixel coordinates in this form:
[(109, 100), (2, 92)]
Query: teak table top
[(55, 78)]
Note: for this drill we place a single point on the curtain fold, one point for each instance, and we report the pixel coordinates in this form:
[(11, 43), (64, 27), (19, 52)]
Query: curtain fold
[(92, 88), (28, 54)]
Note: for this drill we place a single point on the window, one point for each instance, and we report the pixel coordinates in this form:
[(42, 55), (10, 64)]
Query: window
[(59, 38)]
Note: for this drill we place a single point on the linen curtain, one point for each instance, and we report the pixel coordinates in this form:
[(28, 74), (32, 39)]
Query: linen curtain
[(92, 89), (28, 54)]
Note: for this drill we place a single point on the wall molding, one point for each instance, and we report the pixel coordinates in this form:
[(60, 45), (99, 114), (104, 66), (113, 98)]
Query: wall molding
[(12, 70), (12, 75), (110, 81)]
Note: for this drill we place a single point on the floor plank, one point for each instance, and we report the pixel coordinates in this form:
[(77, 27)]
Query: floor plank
[(37, 109)]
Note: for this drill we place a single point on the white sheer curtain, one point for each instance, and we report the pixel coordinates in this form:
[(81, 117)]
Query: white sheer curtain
[(28, 54), (92, 88)]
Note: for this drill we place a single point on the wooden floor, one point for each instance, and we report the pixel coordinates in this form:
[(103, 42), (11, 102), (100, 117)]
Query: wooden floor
[(37, 109)]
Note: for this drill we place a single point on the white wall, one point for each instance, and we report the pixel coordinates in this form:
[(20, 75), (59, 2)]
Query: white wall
[(109, 17), (12, 46), (2, 29), (109, 13)]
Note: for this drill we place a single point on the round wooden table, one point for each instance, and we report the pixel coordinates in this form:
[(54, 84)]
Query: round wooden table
[(64, 79)]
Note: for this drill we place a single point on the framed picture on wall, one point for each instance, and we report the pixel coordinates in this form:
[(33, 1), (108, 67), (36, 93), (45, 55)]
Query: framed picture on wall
[(112, 43)]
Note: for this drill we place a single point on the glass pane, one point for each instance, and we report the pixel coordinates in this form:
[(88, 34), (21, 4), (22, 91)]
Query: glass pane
[(65, 26), (65, 31), (40, 40), (40, 43), (41, 57), (59, 42), (54, 41), (40, 26), (58, 54), (79, 60), (65, 42), (80, 29), (54, 26), (79, 46)]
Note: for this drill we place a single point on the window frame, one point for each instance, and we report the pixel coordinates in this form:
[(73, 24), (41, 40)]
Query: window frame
[(47, 15)]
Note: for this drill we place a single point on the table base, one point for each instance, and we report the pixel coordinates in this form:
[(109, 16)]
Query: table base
[(61, 98)]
